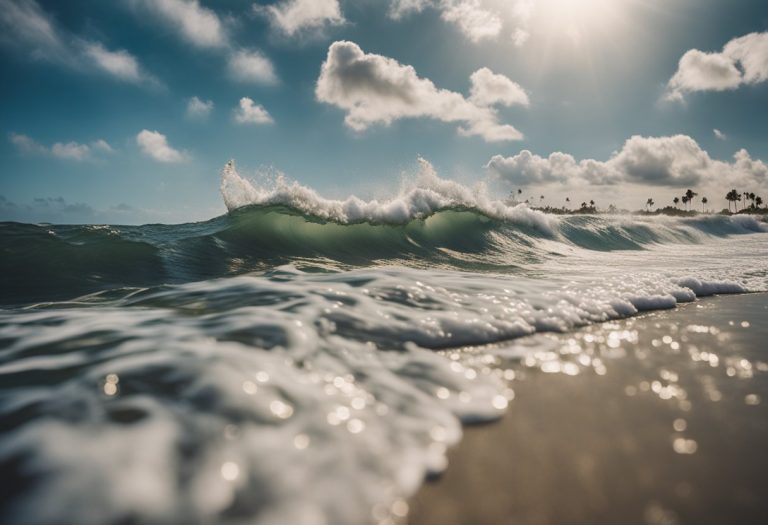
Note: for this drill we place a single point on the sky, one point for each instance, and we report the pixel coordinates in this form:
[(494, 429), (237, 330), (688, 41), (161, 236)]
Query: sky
[(125, 111)]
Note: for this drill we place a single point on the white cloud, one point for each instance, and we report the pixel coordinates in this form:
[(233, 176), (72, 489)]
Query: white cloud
[(102, 145), (198, 108), (69, 150), (203, 28), (719, 134), (198, 25), (251, 66), (401, 8), (520, 36), (120, 64), (471, 17), (27, 145), (24, 25), (675, 161), (252, 113), (154, 144), (743, 60), (489, 88), (374, 89), (293, 16)]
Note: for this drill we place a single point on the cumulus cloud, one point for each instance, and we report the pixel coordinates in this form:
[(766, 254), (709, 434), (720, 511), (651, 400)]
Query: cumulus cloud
[(743, 60), (719, 134), (473, 18), (294, 16), (196, 24), (374, 89), (26, 145), (25, 26), (155, 145), (251, 66), (71, 150), (674, 161), (251, 113), (102, 145), (488, 89), (198, 108), (203, 28)]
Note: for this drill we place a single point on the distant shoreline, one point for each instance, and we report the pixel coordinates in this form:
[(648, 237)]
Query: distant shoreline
[(669, 211)]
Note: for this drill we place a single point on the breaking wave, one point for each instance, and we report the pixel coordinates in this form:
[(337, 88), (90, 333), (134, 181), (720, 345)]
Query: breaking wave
[(430, 223)]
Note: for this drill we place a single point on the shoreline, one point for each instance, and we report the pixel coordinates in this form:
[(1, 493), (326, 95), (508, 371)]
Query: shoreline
[(672, 430)]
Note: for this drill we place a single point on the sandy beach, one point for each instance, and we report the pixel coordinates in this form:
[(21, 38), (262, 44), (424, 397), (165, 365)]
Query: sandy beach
[(670, 427)]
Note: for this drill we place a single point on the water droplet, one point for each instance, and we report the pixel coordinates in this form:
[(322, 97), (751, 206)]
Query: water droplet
[(301, 441), (230, 471), (684, 446), (355, 426), (110, 389), (752, 399), (280, 409), (400, 508), (500, 402)]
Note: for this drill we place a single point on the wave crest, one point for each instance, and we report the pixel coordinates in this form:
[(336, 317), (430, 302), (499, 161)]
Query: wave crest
[(418, 198)]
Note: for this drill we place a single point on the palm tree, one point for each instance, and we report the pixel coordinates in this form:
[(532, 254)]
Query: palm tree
[(733, 196), (690, 194), (758, 201), (592, 204), (746, 197), (704, 202), (685, 201), (676, 200), (752, 198), (649, 204)]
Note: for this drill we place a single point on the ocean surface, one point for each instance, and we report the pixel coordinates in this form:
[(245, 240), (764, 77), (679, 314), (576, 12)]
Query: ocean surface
[(299, 360)]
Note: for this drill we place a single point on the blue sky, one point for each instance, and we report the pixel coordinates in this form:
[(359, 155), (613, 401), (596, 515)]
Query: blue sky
[(616, 99)]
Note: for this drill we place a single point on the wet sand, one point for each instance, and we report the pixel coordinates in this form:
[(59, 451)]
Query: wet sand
[(668, 424)]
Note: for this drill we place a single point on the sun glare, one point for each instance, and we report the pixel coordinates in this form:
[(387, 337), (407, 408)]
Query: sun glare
[(579, 21)]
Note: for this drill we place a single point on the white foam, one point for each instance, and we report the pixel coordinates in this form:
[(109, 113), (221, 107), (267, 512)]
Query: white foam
[(417, 198)]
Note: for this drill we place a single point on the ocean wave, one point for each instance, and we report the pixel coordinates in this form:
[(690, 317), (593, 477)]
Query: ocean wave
[(430, 223), (418, 198)]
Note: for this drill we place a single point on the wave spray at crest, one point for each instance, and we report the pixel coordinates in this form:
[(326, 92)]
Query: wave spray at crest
[(424, 195)]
